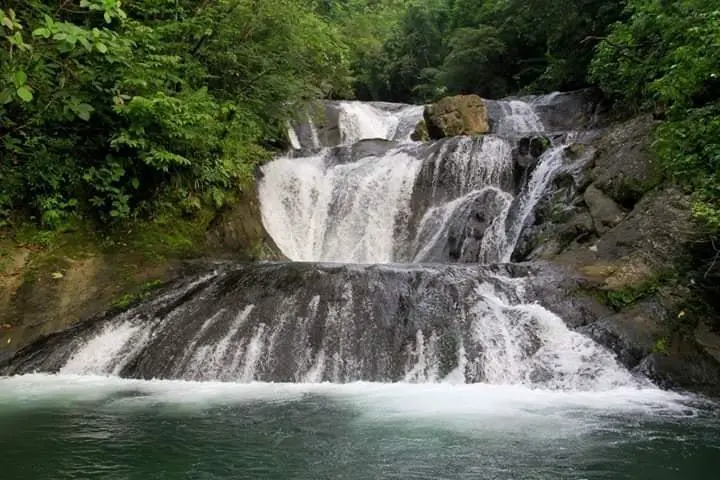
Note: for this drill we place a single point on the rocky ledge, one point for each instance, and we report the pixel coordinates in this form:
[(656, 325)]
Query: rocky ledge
[(626, 232)]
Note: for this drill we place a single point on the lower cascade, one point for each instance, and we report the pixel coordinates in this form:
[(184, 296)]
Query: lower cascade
[(399, 273), (307, 322)]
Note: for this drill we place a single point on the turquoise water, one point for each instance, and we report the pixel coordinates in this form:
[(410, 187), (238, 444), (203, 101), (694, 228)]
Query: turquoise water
[(74, 427)]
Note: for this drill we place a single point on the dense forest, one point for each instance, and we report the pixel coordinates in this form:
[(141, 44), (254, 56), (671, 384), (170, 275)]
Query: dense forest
[(112, 110)]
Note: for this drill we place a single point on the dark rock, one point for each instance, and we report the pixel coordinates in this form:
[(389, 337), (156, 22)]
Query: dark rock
[(562, 111), (239, 232), (656, 230), (468, 228), (686, 369), (538, 145), (361, 149), (630, 334)]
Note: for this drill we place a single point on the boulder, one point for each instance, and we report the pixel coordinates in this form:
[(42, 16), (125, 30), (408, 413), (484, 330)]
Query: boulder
[(685, 368), (458, 115), (569, 110), (631, 334), (605, 213)]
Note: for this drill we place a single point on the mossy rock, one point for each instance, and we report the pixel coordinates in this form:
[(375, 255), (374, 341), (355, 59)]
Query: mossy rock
[(458, 115), (420, 134)]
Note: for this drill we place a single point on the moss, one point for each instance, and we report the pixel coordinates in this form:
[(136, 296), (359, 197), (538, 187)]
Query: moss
[(168, 236), (631, 294), (629, 191), (420, 134), (457, 115), (628, 295), (5, 259), (575, 151), (661, 346), (143, 292), (538, 145)]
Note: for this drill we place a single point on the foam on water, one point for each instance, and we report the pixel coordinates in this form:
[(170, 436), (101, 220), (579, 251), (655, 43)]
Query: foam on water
[(491, 405)]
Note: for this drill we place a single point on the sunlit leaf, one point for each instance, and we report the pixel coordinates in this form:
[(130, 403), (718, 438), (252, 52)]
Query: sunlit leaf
[(25, 94)]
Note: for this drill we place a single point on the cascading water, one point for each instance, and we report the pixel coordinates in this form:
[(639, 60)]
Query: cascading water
[(400, 343), (401, 221)]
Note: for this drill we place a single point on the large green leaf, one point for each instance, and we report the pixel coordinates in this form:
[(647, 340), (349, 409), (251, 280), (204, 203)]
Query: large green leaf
[(25, 94)]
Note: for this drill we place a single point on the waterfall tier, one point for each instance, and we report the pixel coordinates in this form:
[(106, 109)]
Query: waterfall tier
[(305, 322)]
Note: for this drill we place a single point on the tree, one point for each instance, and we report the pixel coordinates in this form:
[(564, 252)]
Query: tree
[(107, 107)]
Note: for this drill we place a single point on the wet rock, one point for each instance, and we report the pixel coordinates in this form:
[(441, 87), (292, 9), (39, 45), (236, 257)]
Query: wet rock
[(538, 145), (687, 368), (605, 213), (708, 340), (630, 334), (468, 228), (458, 115), (571, 110), (361, 149)]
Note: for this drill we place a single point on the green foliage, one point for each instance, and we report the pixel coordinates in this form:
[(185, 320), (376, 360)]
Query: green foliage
[(105, 107), (689, 148), (489, 47), (666, 58), (661, 346)]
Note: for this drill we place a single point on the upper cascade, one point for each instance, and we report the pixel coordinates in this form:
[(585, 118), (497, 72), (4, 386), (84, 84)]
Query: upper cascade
[(378, 197), (347, 122)]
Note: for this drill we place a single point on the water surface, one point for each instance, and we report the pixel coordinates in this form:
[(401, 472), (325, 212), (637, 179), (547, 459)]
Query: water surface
[(73, 427)]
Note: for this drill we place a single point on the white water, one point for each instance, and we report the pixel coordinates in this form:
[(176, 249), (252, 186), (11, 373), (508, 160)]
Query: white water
[(340, 213), (360, 120), (506, 341), (352, 213), (357, 212), (292, 136), (519, 118)]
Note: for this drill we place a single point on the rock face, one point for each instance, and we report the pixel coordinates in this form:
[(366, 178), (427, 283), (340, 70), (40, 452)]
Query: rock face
[(611, 219), (458, 115), (239, 233), (46, 290), (603, 210), (562, 111)]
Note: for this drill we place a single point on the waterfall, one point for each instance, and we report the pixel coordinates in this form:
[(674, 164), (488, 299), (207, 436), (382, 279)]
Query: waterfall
[(316, 211), (398, 273), (518, 118)]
